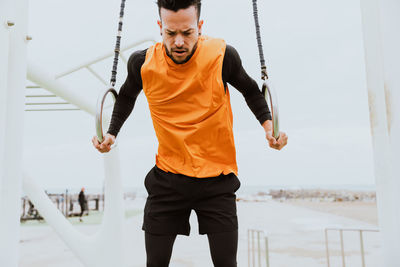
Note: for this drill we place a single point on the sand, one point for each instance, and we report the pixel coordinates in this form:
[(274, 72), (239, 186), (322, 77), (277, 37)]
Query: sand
[(362, 211), (295, 231)]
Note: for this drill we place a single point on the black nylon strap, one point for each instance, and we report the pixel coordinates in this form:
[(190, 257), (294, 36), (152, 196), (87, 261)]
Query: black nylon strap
[(264, 74), (117, 45)]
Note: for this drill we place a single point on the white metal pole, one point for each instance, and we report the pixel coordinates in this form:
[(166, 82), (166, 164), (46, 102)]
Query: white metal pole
[(4, 44), (105, 248), (381, 122), (390, 25), (10, 204)]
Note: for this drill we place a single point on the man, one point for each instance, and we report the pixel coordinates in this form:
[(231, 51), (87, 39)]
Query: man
[(82, 202), (185, 81)]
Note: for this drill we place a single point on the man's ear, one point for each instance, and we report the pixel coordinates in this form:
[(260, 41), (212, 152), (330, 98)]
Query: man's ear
[(200, 25), (160, 25)]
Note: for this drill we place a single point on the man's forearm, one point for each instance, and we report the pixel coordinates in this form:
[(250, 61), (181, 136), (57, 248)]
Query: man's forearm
[(258, 105), (122, 109), (267, 125), (128, 93)]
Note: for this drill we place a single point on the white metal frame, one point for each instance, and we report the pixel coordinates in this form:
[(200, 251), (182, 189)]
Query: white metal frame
[(254, 248), (380, 21), (341, 230), (4, 47), (106, 247), (13, 71), (88, 65)]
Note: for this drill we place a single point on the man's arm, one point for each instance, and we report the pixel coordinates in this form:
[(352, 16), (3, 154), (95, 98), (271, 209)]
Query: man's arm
[(234, 74), (125, 101), (128, 93)]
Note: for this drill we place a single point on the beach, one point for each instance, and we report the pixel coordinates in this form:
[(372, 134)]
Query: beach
[(294, 227)]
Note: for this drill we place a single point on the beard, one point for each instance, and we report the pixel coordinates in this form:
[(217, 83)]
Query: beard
[(169, 54)]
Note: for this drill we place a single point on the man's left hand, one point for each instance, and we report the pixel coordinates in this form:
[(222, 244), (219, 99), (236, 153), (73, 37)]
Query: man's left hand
[(277, 144)]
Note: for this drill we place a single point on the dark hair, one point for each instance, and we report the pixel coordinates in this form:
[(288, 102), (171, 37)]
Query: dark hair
[(175, 5)]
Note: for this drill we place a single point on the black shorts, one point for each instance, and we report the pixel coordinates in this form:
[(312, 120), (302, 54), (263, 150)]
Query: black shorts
[(172, 197)]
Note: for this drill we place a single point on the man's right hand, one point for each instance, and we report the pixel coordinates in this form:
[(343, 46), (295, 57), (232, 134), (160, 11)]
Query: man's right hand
[(105, 146)]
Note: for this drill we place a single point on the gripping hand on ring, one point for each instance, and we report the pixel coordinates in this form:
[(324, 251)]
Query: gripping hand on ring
[(277, 144), (105, 146)]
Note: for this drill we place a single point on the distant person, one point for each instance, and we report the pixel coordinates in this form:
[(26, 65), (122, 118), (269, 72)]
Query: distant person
[(32, 211), (185, 79), (82, 202)]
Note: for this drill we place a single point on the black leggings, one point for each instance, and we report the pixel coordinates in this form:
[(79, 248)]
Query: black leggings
[(82, 209), (223, 248)]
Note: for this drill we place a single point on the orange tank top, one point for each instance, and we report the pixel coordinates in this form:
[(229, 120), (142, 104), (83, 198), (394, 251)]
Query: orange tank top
[(191, 111)]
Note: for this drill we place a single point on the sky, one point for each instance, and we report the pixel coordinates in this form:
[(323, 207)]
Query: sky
[(315, 57)]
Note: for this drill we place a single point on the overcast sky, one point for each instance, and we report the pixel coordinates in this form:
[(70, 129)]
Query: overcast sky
[(315, 57)]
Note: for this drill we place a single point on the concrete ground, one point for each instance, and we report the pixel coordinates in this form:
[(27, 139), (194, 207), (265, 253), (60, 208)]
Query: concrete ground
[(295, 233)]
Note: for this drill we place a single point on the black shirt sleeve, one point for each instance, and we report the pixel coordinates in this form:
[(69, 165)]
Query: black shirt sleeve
[(234, 74), (128, 93)]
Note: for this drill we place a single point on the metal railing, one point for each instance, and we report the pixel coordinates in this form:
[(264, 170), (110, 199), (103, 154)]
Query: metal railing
[(32, 94), (341, 230), (255, 238)]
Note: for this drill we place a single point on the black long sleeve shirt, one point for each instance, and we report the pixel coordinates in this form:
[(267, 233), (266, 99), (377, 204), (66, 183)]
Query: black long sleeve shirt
[(232, 73)]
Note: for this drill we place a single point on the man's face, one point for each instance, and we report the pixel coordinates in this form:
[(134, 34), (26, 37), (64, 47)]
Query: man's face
[(180, 32)]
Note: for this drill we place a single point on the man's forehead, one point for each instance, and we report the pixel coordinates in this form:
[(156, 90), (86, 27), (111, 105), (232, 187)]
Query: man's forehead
[(179, 30), (179, 27), (183, 17)]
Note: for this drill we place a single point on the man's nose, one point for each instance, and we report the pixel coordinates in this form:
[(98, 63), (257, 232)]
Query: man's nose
[(179, 41)]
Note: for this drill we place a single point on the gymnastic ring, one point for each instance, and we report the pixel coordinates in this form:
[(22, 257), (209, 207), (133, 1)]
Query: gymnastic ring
[(99, 111), (270, 97)]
